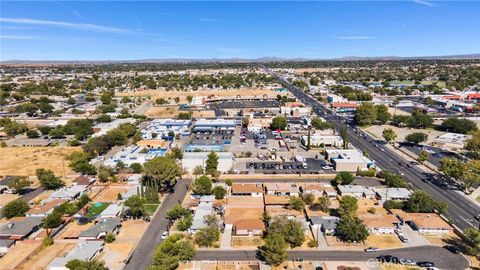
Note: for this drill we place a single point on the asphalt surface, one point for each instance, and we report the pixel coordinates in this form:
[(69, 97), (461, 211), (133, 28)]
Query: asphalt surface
[(442, 258), (142, 256), (460, 209)]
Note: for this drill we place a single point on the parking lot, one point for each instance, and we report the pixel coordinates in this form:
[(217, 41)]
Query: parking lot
[(219, 140), (308, 166)]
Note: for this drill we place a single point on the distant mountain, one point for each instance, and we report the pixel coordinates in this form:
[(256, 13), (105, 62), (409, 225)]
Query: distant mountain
[(233, 60)]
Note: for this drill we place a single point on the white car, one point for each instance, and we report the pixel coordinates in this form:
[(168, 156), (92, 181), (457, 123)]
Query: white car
[(164, 235), (371, 249), (407, 262)]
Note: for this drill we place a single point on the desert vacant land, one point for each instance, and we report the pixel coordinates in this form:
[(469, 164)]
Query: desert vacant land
[(154, 94), (24, 161)]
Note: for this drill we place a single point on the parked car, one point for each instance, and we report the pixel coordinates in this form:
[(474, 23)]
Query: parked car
[(391, 259), (426, 264), (403, 238), (407, 262), (371, 249), (164, 235), (452, 249)]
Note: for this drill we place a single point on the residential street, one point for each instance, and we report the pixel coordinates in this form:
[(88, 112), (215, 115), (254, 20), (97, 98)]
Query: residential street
[(142, 256), (442, 258)]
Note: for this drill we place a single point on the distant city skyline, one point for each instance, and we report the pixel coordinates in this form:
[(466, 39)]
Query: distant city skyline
[(124, 30)]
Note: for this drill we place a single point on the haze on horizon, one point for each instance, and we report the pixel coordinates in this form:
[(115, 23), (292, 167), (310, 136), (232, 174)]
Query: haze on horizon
[(201, 30)]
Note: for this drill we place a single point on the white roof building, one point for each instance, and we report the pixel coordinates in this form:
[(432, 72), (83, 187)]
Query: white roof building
[(451, 140), (83, 251), (385, 194), (191, 160), (69, 193)]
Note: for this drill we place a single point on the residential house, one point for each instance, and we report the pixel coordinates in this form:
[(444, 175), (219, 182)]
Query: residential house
[(430, 223), (248, 227), (380, 224), (113, 210), (44, 209), (69, 193), (356, 191), (281, 189), (242, 189), (18, 228), (326, 225), (318, 189), (101, 228), (82, 251), (83, 180), (398, 194)]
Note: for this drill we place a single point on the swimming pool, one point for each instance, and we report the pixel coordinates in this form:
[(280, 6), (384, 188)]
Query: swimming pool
[(158, 151)]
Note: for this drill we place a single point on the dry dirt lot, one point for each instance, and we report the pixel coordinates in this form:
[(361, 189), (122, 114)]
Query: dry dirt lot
[(154, 94), (383, 241), (42, 259), (174, 111), (402, 132), (116, 253), (107, 193), (73, 229), (23, 161), (18, 253), (246, 242), (6, 198), (131, 231)]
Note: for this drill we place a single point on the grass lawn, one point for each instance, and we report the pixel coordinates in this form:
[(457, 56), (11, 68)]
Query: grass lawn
[(151, 207), (95, 209)]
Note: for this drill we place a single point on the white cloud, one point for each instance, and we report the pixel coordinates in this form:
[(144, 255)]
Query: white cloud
[(15, 37), (354, 37), (69, 25), (425, 3)]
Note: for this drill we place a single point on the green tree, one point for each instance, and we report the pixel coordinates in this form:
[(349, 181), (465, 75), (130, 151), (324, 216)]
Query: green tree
[(177, 212), (296, 203), (309, 199), (208, 236), (471, 241), (245, 121), (170, 252), (229, 182), (466, 172), (18, 184), (109, 238), (202, 185), (323, 204), (198, 170), (389, 135), (392, 179), (318, 123), (274, 251), (422, 202), (291, 230), (344, 136), (279, 122), (344, 178), (458, 125), (52, 221), (77, 264), (419, 119), (383, 116), (16, 208), (366, 114), (136, 206), (351, 229), (219, 192), (32, 133), (136, 167), (104, 118), (48, 180), (416, 137), (211, 164), (423, 156), (348, 206), (163, 171)]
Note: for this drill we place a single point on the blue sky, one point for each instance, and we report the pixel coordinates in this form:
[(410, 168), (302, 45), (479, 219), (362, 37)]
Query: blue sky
[(106, 30)]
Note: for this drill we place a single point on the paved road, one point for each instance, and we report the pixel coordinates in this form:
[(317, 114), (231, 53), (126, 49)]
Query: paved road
[(442, 258), (142, 256), (461, 209)]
